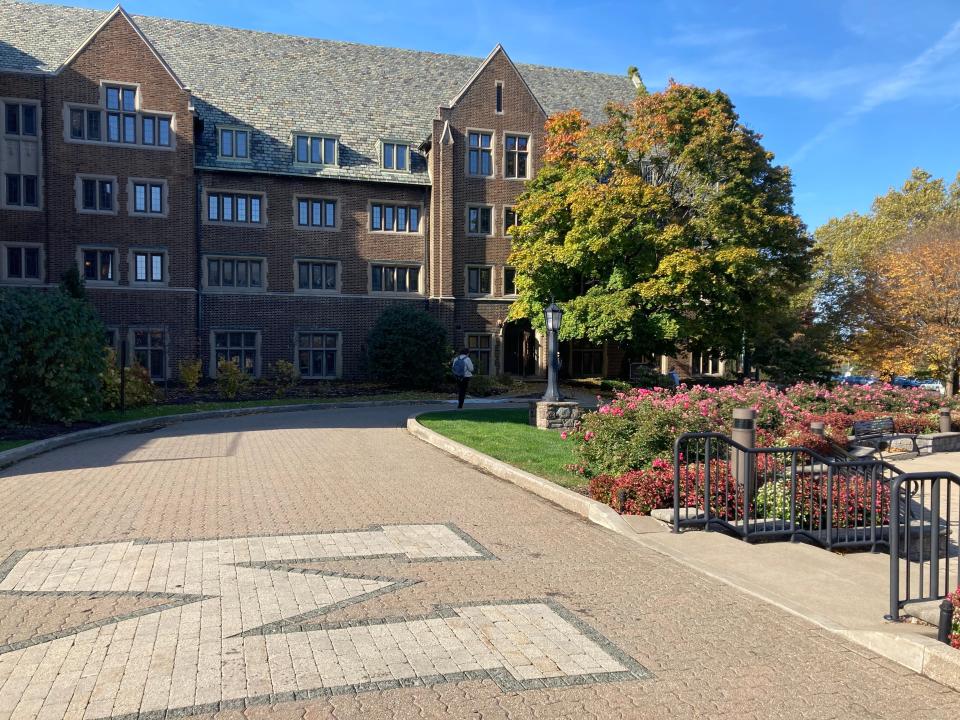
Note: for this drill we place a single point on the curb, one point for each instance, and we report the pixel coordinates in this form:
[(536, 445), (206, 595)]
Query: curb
[(923, 655), (38, 447)]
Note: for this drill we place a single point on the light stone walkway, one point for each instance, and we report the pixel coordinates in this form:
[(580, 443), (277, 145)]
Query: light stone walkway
[(326, 564)]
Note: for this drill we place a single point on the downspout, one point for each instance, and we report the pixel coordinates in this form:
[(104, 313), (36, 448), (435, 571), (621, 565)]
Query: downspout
[(198, 244)]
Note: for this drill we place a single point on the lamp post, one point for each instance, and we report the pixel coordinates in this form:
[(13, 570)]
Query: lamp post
[(553, 315)]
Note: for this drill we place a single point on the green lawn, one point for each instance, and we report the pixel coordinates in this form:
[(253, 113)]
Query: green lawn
[(11, 444), (506, 435)]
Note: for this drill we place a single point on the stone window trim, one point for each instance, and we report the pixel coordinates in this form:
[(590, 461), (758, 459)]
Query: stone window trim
[(466, 279), (164, 197), (396, 142), (21, 133), (466, 220), (416, 264), (132, 266), (235, 128), (503, 281), (132, 347), (258, 348), (4, 260), (115, 282), (232, 289), (35, 140), (498, 89), (311, 291), (318, 331), (337, 213), (205, 212), (394, 204), (102, 111), (78, 187), (112, 337), (493, 154), (321, 136), (476, 350), (505, 229), (528, 152)]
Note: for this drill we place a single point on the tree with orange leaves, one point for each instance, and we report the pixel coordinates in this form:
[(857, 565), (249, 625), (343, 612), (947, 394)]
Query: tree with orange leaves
[(667, 225)]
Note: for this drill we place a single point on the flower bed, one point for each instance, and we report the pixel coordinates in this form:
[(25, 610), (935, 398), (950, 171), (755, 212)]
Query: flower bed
[(627, 444)]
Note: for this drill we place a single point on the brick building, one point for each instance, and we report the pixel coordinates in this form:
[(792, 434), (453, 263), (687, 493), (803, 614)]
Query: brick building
[(263, 197)]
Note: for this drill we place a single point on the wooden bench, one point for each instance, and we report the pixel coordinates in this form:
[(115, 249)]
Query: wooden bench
[(873, 436)]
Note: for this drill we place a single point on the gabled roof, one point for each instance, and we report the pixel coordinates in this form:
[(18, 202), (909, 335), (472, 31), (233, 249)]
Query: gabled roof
[(498, 50), (281, 84)]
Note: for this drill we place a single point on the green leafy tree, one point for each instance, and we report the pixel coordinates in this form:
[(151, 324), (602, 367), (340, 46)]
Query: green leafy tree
[(666, 225), (51, 358), (407, 348)]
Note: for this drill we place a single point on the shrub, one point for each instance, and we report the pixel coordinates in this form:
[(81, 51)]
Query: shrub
[(644, 490), (51, 355), (284, 377), (231, 380), (600, 488), (486, 385), (955, 625), (407, 348), (190, 373), (772, 500), (139, 390)]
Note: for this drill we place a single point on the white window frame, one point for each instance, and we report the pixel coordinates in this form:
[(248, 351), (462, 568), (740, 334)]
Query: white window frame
[(322, 137), (297, 261), (91, 247), (234, 129), (492, 150), (258, 348), (466, 220), (528, 151), (466, 279), (233, 289), (395, 144), (319, 331), (148, 251), (5, 270), (395, 264)]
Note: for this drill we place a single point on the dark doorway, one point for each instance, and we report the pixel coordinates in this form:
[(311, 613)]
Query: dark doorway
[(519, 349)]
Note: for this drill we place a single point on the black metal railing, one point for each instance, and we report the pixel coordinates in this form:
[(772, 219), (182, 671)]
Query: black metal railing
[(780, 493), (924, 557)]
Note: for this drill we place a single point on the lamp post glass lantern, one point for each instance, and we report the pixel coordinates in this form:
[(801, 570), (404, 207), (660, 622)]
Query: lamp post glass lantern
[(553, 316)]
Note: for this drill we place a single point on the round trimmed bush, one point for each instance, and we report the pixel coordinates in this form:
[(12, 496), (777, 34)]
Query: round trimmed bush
[(407, 348)]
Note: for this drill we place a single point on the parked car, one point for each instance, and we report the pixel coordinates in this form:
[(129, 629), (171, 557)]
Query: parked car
[(857, 380), (933, 386), (906, 382)]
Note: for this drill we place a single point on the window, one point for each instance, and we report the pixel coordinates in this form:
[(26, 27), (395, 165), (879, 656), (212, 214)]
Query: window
[(147, 197), (237, 347), (243, 273), (499, 97), (478, 280), (148, 266), (396, 156), (318, 354), (22, 262), (234, 207), (316, 275), (21, 190), (479, 154), (118, 120), (315, 149), (97, 195), (121, 103), (510, 220), (98, 265), (316, 212), (517, 151), (704, 363), (480, 351), (478, 220), (395, 218), (20, 119), (395, 278), (586, 359), (509, 281), (234, 143), (150, 351)]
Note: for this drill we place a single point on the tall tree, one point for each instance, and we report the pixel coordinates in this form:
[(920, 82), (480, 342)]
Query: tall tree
[(666, 225)]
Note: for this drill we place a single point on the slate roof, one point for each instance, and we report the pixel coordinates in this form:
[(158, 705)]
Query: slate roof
[(280, 84)]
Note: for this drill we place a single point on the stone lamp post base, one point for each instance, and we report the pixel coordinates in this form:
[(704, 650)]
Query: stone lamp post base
[(562, 415)]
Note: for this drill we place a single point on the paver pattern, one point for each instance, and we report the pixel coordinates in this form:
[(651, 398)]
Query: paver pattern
[(461, 597)]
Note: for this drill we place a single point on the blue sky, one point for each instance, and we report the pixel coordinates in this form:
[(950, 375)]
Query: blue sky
[(851, 94)]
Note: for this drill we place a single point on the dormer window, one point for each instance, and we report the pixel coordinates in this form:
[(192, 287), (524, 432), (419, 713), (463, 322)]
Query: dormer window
[(395, 156), (315, 149), (234, 143)]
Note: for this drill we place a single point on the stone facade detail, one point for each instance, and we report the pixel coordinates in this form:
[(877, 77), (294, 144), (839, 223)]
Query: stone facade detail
[(563, 415)]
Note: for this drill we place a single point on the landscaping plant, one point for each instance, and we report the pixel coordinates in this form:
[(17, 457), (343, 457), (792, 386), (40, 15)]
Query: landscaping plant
[(407, 348), (190, 373), (139, 389), (231, 380), (284, 376)]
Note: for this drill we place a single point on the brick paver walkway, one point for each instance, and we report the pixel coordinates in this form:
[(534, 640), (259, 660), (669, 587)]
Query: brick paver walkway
[(326, 564)]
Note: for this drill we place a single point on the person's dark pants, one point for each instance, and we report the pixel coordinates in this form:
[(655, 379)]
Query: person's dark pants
[(462, 390)]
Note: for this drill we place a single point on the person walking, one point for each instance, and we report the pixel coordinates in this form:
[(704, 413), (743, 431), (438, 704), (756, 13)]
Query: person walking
[(462, 371)]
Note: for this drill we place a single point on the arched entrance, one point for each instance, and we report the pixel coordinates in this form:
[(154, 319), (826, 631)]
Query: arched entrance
[(520, 349)]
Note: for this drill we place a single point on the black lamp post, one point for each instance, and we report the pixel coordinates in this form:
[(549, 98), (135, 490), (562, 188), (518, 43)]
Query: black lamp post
[(553, 315)]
